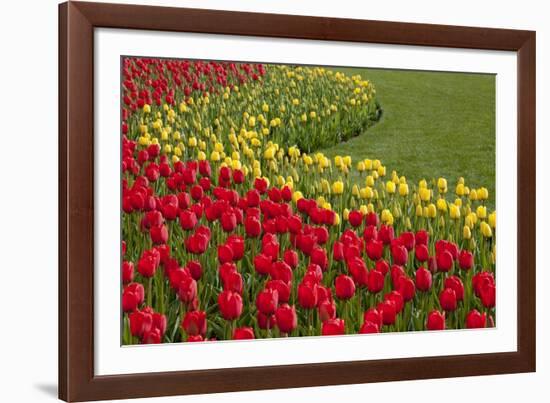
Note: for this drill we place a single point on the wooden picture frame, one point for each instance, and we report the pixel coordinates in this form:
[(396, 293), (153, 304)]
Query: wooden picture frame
[(77, 21)]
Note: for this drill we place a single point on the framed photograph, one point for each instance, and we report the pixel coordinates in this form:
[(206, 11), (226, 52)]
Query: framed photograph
[(253, 201)]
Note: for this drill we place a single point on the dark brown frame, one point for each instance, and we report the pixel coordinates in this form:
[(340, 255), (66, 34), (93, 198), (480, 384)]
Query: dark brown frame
[(77, 21)]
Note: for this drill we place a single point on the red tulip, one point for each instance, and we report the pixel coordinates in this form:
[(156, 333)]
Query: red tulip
[(149, 262), (188, 220), (228, 221), (422, 237), (230, 304), (307, 295), (195, 269), (488, 296), (382, 266), (475, 320), (286, 318), (319, 257), (225, 254), (243, 333), (233, 282), (386, 234), (140, 323), (399, 254), (372, 315), (423, 279), (406, 288), (283, 289), (267, 301), (266, 321), (131, 298), (455, 283), (374, 249), (372, 219), (397, 299), (375, 282), (344, 286), (327, 310), (262, 264), (388, 312), (333, 327), (407, 240), (194, 323), (465, 260), (187, 289), (447, 299), (435, 321), (370, 233), (291, 258), (236, 243), (127, 272), (444, 261), (355, 218), (253, 227), (260, 184), (369, 328), (421, 253), (159, 235)]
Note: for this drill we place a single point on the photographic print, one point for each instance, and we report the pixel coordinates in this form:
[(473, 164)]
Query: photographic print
[(269, 200)]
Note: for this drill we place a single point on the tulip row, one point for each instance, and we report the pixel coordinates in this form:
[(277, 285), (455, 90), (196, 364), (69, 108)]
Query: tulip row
[(268, 241)]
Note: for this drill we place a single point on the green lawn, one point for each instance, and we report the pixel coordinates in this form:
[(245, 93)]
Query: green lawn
[(433, 124)]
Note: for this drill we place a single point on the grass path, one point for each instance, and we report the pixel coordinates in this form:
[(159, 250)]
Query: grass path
[(434, 124)]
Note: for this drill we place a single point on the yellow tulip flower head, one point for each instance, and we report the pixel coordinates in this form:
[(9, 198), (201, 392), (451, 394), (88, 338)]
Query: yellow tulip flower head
[(486, 230), (454, 211), (338, 187), (481, 212), (442, 185)]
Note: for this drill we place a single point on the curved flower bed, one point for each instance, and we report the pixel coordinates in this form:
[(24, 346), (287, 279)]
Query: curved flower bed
[(233, 230)]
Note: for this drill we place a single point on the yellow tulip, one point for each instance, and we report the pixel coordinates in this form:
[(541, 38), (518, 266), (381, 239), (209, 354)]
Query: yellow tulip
[(454, 211), (345, 214), (146, 108), (390, 187), (369, 181), (425, 194), (466, 233), (432, 211), (482, 193), (442, 185), (493, 219), (215, 156), (338, 187), (403, 189), (441, 204), (481, 212), (486, 230)]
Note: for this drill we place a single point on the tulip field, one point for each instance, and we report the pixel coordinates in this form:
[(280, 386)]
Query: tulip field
[(236, 226)]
